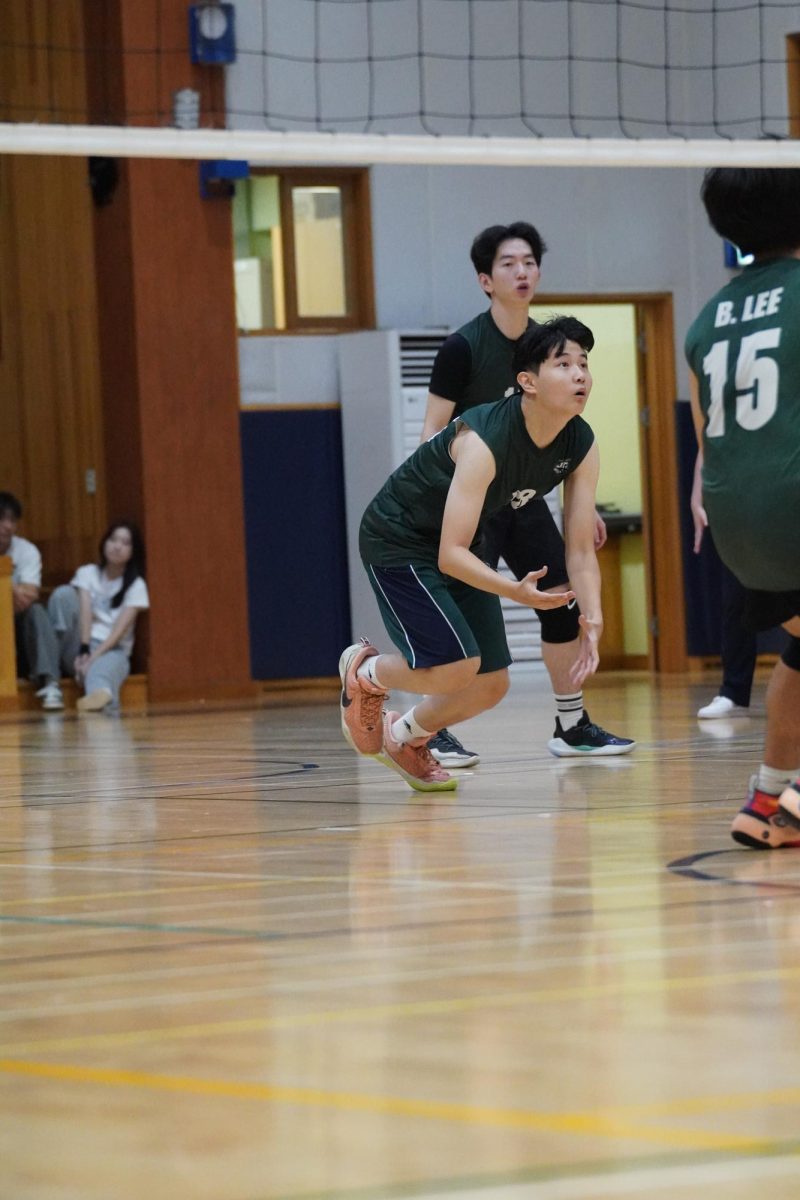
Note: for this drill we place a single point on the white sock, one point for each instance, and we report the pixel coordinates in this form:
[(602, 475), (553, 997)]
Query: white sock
[(772, 780), (367, 671), (408, 729), (569, 709)]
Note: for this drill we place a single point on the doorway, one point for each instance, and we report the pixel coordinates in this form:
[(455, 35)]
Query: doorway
[(632, 413)]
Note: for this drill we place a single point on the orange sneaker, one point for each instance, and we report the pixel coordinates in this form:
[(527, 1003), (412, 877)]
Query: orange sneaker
[(415, 763), (762, 825), (361, 703)]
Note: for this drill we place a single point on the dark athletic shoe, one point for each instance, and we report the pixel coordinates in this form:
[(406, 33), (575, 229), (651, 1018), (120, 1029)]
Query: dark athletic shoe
[(586, 740), (448, 751)]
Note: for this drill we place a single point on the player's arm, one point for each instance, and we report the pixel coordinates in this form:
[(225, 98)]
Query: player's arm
[(450, 376), (475, 470), (699, 516), (584, 573), (437, 414)]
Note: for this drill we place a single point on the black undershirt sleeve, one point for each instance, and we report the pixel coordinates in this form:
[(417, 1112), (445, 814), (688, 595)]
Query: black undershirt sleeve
[(451, 369)]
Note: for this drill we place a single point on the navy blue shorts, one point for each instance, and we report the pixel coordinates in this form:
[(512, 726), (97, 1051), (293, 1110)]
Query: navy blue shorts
[(434, 619)]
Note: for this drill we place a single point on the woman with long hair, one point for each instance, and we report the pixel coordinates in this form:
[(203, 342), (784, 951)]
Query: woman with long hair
[(95, 616)]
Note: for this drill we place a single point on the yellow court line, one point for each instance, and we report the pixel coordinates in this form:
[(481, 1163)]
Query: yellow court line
[(410, 1009), (689, 1105), (587, 1124)]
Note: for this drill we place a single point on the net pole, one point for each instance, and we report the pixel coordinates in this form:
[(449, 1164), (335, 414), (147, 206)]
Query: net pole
[(359, 149)]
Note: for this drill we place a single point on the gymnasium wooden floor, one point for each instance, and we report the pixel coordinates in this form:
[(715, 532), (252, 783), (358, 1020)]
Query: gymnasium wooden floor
[(240, 964)]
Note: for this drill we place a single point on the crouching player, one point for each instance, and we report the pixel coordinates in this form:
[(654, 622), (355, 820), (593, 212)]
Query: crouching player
[(439, 601)]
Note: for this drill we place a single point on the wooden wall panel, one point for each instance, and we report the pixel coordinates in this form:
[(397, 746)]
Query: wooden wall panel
[(49, 376), (170, 373)]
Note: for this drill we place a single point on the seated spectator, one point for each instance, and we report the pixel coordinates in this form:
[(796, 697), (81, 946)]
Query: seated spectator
[(94, 617), (36, 646)]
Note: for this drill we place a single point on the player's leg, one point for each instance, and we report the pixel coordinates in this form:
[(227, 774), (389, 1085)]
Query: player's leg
[(770, 818), (439, 655), (738, 652), (532, 540)]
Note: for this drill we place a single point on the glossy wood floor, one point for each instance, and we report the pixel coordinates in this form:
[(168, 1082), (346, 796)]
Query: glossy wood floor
[(237, 963)]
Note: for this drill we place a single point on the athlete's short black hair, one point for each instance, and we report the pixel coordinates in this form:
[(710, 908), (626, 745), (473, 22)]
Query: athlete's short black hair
[(484, 248), (10, 504), (540, 341), (756, 208)]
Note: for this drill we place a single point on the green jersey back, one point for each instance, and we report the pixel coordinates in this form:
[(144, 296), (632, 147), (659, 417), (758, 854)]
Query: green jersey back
[(403, 523), (492, 374), (744, 348)]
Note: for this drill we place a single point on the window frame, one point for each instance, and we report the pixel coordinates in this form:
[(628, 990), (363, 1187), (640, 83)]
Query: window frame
[(353, 183)]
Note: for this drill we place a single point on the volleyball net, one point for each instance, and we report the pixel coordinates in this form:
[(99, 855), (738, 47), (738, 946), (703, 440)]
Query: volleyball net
[(494, 82)]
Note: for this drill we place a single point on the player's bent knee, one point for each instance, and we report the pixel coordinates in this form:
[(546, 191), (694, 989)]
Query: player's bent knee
[(791, 655), (451, 677), (559, 624), (495, 686)]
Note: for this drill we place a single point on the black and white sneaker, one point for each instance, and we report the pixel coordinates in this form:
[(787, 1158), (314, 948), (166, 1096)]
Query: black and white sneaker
[(586, 740), (448, 751)]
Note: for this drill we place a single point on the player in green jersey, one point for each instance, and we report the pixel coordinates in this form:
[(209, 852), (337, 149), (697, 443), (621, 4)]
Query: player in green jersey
[(744, 351), (474, 366), (439, 600)]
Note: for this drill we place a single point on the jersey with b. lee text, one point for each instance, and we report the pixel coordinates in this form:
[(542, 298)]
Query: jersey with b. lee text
[(744, 348), (474, 365), (403, 523)]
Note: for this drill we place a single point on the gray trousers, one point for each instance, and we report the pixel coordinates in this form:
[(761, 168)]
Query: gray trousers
[(109, 671), (37, 647)]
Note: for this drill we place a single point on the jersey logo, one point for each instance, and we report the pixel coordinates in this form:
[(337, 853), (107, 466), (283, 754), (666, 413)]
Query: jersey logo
[(562, 467), (520, 499)]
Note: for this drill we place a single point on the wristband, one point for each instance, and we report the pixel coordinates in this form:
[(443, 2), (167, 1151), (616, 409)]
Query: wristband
[(85, 648)]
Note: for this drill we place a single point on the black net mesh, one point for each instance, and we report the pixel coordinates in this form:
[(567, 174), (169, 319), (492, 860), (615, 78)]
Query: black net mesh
[(628, 69)]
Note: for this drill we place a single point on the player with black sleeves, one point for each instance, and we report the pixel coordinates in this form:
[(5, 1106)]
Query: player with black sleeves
[(475, 366)]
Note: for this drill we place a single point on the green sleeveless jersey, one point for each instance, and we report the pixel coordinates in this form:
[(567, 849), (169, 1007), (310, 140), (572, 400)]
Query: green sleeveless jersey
[(403, 523), (744, 348), (492, 375)]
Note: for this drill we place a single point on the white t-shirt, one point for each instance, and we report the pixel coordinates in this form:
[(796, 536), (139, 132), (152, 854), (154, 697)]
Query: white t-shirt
[(102, 591), (27, 562)]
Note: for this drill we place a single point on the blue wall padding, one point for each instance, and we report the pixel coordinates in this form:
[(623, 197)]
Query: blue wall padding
[(295, 541), (702, 572)]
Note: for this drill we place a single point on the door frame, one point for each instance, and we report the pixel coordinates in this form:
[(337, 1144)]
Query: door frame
[(655, 335)]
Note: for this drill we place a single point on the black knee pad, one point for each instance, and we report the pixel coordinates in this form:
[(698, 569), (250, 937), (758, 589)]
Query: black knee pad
[(559, 624), (791, 655)]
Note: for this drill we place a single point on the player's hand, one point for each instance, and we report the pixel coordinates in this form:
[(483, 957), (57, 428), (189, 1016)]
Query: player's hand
[(528, 593), (700, 519), (600, 532), (588, 659)]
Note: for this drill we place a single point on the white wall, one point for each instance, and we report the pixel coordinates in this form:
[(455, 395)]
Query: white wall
[(607, 230)]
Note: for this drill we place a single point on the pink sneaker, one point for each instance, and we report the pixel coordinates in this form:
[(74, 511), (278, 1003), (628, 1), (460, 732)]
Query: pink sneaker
[(762, 825), (415, 763), (362, 703)]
